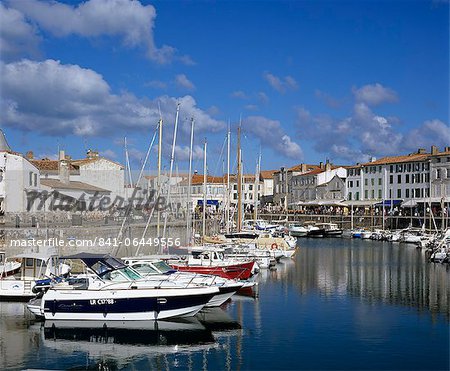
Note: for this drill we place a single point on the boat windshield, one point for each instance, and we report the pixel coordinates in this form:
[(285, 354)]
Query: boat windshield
[(163, 267), (123, 274), (144, 268)]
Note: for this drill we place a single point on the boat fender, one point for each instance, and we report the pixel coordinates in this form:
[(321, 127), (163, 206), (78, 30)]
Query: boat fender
[(274, 246)]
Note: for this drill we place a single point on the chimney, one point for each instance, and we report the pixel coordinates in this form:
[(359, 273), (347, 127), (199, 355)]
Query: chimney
[(62, 155), (373, 159), (303, 168), (421, 151), (446, 149), (29, 155), (321, 165), (63, 169), (434, 150), (327, 165)]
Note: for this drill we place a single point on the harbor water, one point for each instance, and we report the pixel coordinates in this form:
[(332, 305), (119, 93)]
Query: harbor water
[(339, 304)]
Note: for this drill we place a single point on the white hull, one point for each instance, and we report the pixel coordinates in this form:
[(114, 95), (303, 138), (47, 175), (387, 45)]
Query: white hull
[(137, 316)]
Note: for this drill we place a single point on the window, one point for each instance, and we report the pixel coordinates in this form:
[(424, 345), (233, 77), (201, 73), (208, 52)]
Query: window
[(373, 194), (438, 173), (357, 196), (409, 167), (366, 181), (379, 194), (407, 178), (366, 194), (357, 183), (31, 179), (417, 194), (372, 181), (399, 179), (407, 193), (379, 169), (350, 183), (391, 179), (390, 193), (379, 181), (35, 179), (350, 195), (399, 193), (250, 187), (391, 168)]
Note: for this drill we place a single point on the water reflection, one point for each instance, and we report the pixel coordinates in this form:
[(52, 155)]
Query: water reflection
[(112, 345), (320, 308), (371, 270)]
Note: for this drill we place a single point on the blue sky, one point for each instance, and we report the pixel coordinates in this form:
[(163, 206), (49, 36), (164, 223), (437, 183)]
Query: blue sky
[(311, 80)]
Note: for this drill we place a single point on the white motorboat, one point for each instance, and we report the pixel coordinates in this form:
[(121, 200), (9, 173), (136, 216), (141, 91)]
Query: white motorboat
[(112, 291), (331, 229), (151, 268), (33, 267), (297, 230), (365, 235)]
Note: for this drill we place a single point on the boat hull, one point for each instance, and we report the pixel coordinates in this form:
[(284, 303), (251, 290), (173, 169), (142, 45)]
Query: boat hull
[(233, 271), (120, 305)]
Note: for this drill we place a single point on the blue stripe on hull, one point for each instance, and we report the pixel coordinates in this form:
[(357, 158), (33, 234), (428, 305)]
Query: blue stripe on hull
[(125, 305)]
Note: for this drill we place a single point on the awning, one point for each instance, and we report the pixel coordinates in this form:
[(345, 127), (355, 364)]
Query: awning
[(409, 203), (319, 203), (389, 203), (208, 202), (357, 203)]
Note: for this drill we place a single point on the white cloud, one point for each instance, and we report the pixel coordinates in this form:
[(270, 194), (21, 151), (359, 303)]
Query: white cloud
[(129, 20), (271, 134), (263, 98), (328, 99), (156, 84), (251, 107), (183, 82), (55, 99), (431, 132), (182, 153), (17, 37), (354, 138), (239, 94), (108, 153), (375, 94), (280, 84)]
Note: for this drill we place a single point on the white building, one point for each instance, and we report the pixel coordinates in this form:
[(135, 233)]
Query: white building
[(440, 173), (266, 181), (305, 186), (282, 182), (17, 177), (94, 172), (393, 178)]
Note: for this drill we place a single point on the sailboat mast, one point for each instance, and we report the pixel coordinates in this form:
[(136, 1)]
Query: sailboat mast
[(239, 180), (204, 189), (189, 206), (172, 158), (158, 215), (227, 206), (255, 192), (127, 163)]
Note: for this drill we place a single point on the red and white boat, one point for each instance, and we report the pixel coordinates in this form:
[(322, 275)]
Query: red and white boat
[(213, 262), (8, 267)]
